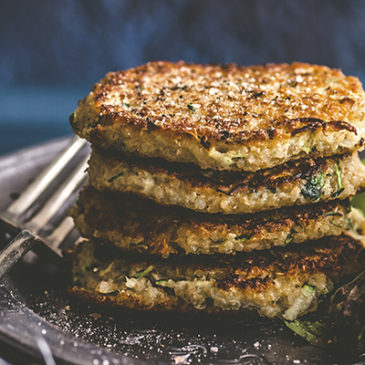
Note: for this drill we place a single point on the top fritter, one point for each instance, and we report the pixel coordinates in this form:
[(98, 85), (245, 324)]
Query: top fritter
[(225, 117)]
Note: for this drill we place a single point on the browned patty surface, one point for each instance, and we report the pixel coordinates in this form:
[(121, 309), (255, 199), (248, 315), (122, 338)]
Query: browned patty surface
[(284, 282), (139, 225), (225, 117), (297, 182)]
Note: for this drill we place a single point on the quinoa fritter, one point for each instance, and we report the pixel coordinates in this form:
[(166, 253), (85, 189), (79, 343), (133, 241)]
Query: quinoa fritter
[(277, 283), (294, 183), (139, 225), (225, 117)]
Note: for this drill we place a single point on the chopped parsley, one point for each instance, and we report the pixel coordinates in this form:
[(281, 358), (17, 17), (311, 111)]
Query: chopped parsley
[(159, 282), (190, 106), (340, 187), (313, 188), (335, 224), (315, 332), (307, 147), (143, 273), (333, 214), (309, 288), (72, 117), (115, 177), (349, 224), (288, 240)]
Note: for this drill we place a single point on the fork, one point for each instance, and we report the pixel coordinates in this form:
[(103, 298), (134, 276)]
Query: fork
[(28, 217)]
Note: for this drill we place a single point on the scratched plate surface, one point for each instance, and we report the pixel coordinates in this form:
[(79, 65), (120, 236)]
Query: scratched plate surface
[(38, 317)]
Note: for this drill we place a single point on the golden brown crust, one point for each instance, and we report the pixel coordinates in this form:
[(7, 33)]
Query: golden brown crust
[(229, 102), (229, 182), (225, 117), (297, 182), (333, 255), (132, 301), (142, 226), (254, 276)]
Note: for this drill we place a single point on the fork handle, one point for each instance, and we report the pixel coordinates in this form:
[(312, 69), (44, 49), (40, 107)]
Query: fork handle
[(15, 250)]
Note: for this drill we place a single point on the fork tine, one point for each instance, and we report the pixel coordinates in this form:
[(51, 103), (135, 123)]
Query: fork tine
[(39, 185), (58, 198), (59, 234)]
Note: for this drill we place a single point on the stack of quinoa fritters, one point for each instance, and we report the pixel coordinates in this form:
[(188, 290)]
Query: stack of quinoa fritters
[(220, 188)]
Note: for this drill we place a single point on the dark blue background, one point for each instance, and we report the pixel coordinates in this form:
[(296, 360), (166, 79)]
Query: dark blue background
[(51, 52)]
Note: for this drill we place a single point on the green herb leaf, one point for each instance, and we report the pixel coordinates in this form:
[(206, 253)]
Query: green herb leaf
[(307, 147), (190, 106), (127, 105), (309, 288), (335, 224), (72, 117), (349, 224), (144, 272), (159, 282), (340, 187), (315, 332), (242, 237), (313, 188), (115, 177), (288, 240), (333, 214)]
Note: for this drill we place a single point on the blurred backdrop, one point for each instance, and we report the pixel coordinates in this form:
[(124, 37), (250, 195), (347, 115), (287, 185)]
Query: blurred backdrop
[(51, 52)]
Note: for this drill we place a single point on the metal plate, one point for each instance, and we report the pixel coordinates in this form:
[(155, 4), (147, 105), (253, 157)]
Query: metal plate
[(38, 317)]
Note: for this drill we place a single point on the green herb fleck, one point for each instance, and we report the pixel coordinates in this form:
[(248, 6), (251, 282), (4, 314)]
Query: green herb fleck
[(72, 117), (127, 105), (349, 224), (333, 214), (335, 224), (307, 148), (243, 237), (315, 332), (116, 177), (190, 106), (309, 288), (340, 187), (143, 273), (288, 240), (313, 188), (159, 282), (95, 123)]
